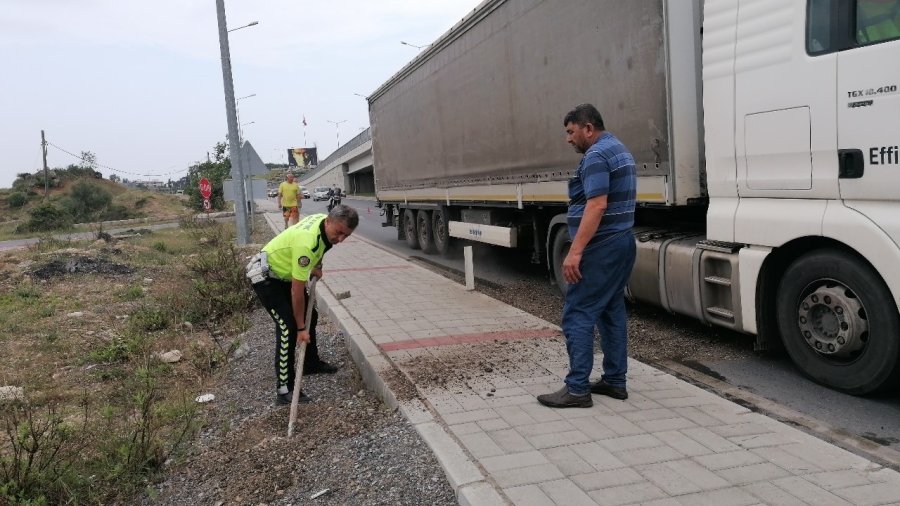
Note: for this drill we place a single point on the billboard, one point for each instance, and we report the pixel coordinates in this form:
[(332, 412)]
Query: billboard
[(302, 157)]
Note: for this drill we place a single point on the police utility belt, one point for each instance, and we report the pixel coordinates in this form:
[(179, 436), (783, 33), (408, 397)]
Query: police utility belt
[(258, 268)]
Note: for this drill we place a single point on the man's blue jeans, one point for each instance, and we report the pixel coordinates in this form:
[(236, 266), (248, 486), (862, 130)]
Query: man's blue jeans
[(599, 300)]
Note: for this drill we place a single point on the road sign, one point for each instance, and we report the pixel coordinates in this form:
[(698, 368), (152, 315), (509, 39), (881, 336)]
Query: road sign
[(207, 205), (205, 188)]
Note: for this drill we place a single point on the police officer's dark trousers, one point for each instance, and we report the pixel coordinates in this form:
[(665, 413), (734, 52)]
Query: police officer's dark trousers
[(275, 296)]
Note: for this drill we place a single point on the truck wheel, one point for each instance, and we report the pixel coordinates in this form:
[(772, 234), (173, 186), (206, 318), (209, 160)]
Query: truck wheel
[(839, 322), (440, 231), (409, 226), (561, 244), (423, 226)]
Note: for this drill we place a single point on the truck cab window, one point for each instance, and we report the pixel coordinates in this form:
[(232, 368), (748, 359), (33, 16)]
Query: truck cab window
[(819, 27), (877, 21)]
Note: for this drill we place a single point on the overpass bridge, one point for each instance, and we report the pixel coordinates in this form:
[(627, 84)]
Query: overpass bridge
[(350, 168)]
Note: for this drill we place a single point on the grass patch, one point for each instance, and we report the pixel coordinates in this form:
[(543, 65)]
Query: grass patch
[(102, 448)]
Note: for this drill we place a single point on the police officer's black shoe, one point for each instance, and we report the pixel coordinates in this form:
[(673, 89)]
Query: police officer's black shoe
[(603, 388), (319, 367), (286, 398)]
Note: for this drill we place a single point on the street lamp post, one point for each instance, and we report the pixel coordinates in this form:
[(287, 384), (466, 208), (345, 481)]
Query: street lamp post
[(238, 113), (237, 172), (338, 128), (414, 45), (253, 23)]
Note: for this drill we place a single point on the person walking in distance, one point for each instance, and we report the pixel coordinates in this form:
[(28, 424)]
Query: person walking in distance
[(600, 217), (280, 273), (289, 200)]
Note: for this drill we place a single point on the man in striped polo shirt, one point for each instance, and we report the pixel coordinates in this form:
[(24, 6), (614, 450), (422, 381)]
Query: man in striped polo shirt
[(601, 214)]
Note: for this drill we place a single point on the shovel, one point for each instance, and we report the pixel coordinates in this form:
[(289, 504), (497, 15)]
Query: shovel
[(301, 355)]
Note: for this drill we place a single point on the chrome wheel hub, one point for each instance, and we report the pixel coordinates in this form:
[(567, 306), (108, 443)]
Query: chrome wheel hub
[(833, 321)]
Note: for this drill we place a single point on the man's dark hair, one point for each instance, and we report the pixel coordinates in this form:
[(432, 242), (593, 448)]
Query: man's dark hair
[(346, 214), (583, 114)]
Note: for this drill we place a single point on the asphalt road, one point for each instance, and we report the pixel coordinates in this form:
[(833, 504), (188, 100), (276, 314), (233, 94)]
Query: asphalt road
[(875, 418)]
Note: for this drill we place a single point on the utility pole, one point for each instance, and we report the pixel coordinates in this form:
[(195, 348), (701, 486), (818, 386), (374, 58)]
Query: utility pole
[(234, 147), (46, 172)]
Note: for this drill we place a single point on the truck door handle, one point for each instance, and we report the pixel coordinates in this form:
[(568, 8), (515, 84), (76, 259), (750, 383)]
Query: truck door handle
[(851, 164)]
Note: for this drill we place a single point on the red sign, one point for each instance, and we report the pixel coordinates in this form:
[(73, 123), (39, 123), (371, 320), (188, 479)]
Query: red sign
[(207, 206), (205, 188)]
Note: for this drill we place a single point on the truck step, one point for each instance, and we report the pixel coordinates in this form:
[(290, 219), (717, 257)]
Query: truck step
[(720, 246), (720, 312), (718, 280)]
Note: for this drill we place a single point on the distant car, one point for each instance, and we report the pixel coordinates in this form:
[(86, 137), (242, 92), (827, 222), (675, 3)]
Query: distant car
[(305, 193), (320, 193), (273, 192)]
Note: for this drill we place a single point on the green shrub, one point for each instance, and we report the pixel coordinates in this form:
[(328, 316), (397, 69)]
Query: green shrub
[(45, 217), (160, 246), (133, 292), (17, 200), (36, 463), (148, 319), (218, 275), (87, 201), (116, 212)]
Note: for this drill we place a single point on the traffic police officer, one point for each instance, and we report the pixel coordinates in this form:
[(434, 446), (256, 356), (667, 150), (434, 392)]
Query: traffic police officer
[(279, 275)]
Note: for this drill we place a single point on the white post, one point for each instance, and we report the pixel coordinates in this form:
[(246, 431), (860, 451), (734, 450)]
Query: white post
[(470, 271)]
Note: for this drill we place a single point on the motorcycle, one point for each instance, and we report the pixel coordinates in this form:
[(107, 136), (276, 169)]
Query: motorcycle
[(334, 200)]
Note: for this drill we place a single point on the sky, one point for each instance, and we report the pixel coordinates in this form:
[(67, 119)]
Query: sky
[(139, 83)]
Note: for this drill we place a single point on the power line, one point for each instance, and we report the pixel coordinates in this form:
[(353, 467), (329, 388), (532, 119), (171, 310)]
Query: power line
[(78, 157)]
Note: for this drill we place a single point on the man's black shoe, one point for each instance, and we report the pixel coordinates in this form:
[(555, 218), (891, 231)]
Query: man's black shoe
[(563, 399), (319, 367), (286, 398), (603, 388)]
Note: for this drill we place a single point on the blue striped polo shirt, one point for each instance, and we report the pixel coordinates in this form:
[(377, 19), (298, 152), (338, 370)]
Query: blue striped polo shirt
[(606, 169)]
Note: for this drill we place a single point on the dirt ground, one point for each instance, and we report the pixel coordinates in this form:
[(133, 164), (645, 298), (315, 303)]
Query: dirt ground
[(346, 441)]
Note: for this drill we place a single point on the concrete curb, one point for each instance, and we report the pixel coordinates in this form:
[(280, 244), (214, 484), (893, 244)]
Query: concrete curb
[(464, 475)]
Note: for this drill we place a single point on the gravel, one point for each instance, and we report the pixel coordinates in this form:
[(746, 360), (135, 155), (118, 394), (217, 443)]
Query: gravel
[(346, 441), (654, 336)]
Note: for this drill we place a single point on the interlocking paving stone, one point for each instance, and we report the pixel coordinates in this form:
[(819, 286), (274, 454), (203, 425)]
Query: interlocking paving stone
[(648, 455), (765, 471), (567, 461), (515, 460), (627, 494), (771, 494), (604, 479), (566, 492), (526, 475), (728, 460), (870, 494), (730, 496), (511, 441), (528, 495), (811, 493), (682, 443)]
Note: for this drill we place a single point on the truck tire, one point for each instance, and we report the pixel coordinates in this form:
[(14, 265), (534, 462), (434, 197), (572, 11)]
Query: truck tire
[(839, 322), (409, 226), (440, 230), (560, 249), (423, 226)]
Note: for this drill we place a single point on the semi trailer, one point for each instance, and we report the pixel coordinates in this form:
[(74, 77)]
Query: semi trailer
[(766, 138)]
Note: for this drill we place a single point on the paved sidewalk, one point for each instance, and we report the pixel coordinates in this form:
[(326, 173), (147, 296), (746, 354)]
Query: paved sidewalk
[(477, 364)]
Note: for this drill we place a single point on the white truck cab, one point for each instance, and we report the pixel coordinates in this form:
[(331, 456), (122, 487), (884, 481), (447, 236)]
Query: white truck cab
[(804, 172)]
